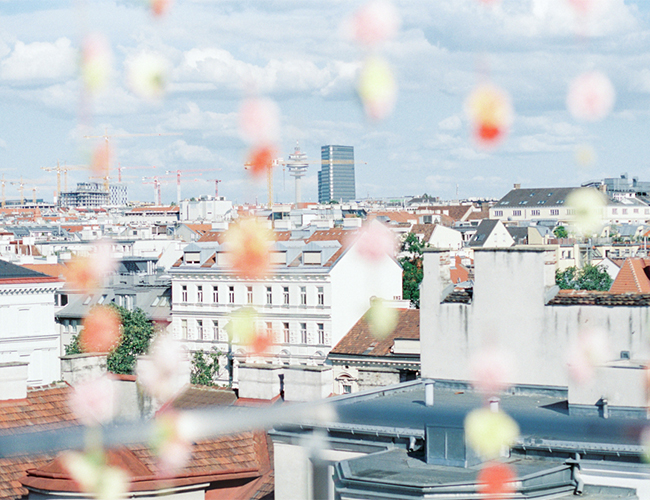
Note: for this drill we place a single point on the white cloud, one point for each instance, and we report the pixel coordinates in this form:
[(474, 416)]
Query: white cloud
[(3, 144), (39, 61), (451, 123), (181, 150)]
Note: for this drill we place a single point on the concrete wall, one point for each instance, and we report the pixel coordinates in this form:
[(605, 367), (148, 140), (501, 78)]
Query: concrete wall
[(77, 368), (307, 383), (445, 237), (371, 378), (13, 380), (259, 381), (508, 311)]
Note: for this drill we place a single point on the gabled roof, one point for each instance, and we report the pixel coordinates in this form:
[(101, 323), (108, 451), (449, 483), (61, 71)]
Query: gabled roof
[(11, 273), (534, 198), (483, 231), (359, 341), (632, 277)]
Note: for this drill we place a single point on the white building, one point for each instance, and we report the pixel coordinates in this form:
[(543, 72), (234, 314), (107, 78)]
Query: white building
[(29, 333), (206, 208), (321, 285)]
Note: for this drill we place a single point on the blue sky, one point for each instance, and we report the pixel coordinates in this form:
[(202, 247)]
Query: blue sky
[(294, 52)]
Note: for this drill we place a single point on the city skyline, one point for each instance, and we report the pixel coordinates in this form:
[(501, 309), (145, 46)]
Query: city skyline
[(218, 53)]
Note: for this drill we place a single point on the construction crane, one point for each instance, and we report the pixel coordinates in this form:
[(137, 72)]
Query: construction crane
[(107, 138), (269, 177), (58, 169), (120, 168), (216, 186), (178, 178), (21, 189)]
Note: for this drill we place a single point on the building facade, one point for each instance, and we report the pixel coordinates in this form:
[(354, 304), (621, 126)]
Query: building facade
[(336, 177), (87, 195), (319, 288)]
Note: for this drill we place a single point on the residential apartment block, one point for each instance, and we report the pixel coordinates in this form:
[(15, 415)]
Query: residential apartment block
[(319, 288)]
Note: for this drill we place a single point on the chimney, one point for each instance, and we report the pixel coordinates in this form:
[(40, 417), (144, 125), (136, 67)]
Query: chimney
[(517, 186), (429, 385), (13, 380)]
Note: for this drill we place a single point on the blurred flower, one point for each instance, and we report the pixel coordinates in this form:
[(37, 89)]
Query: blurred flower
[(375, 242), (261, 342), (375, 22), (381, 319), (96, 62), (588, 205), (581, 6), (591, 97), (377, 88), (94, 476), (585, 156), (162, 372), (101, 330), (101, 159), (260, 159), (490, 112), (496, 481), (491, 370), (160, 7), (242, 327), (588, 350), (146, 75), (168, 444), (94, 402), (259, 121), (249, 243), (86, 273), (490, 432)]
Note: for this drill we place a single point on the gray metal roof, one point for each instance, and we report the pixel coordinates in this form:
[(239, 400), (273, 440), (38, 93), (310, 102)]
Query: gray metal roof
[(539, 197), (9, 270), (482, 232)]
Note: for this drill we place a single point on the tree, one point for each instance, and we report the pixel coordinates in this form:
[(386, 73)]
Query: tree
[(205, 367), (590, 277), (560, 232), (137, 332), (412, 272)]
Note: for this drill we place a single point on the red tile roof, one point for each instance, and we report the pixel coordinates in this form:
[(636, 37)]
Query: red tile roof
[(360, 341), (54, 270), (632, 277)]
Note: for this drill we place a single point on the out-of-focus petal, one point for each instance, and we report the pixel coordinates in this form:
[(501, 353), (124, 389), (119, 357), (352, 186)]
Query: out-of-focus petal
[(242, 326), (377, 88), (96, 62), (171, 448), (491, 370), (249, 243), (162, 372), (586, 352), (381, 319), (588, 205), (101, 330), (375, 242), (94, 401), (585, 156), (496, 480), (375, 22), (80, 273), (160, 7), (260, 159), (146, 75), (591, 97), (101, 159), (104, 482), (490, 112), (259, 121), (489, 432)]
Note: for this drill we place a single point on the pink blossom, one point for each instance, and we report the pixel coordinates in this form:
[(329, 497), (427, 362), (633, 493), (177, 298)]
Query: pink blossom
[(146, 75), (171, 447), (377, 88), (96, 62), (162, 372), (591, 97), (491, 370), (490, 112), (375, 22), (375, 242), (94, 402), (586, 352), (259, 121)]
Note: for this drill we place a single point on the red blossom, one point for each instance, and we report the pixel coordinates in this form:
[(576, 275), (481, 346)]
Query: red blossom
[(496, 481), (101, 330)]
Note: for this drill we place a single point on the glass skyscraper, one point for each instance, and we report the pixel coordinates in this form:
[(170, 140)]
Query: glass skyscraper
[(336, 177)]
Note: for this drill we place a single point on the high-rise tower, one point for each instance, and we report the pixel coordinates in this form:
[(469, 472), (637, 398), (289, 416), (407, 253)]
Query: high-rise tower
[(336, 177), (297, 165)]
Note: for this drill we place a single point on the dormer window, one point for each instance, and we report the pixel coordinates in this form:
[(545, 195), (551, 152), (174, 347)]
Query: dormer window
[(192, 257), (278, 258), (311, 258)]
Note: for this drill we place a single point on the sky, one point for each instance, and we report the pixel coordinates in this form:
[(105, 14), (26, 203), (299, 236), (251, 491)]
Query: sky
[(219, 52)]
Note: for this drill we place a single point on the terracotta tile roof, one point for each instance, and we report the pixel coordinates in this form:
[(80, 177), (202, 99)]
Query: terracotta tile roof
[(591, 298), (424, 230), (456, 212), (480, 215), (199, 228), (458, 273), (395, 216), (632, 277), (460, 296), (199, 397), (359, 341), (55, 270), (43, 406)]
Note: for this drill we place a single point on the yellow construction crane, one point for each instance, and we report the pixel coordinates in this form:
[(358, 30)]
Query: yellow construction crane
[(107, 137), (62, 168), (21, 189)]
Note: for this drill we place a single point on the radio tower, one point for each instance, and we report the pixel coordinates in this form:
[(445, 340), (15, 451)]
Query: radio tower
[(297, 165)]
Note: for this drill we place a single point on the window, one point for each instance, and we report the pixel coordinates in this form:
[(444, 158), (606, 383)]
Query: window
[(183, 328), (269, 295), (303, 333), (199, 329), (347, 388), (321, 296), (269, 329), (498, 213), (199, 293), (184, 293), (155, 302), (614, 211), (636, 210), (570, 211), (321, 333), (555, 211), (231, 294), (516, 213), (287, 334), (215, 294), (102, 299), (311, 258), (215, 329), (88, 299), (249, 294), (625, 211), (534, 212), (278, 257), (303, 295), (285, 294)]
